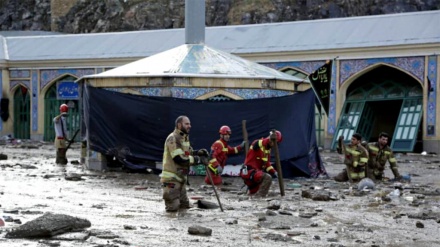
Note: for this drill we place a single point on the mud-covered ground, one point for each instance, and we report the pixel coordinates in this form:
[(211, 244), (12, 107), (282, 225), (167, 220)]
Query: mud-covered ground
[(126, 209)]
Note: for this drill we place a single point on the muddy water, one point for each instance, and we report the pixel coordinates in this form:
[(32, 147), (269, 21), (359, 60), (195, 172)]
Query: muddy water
[(124, 215)]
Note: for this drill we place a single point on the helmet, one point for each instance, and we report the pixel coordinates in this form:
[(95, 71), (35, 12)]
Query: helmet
[(64, 108), (225, 130), (279, 136)]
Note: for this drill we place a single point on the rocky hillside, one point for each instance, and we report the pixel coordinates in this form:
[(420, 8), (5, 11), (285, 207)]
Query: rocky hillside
[(87, 16)]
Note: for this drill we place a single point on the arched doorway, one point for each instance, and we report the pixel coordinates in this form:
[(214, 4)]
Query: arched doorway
[(384, 99), (51, 109), (22, 113)]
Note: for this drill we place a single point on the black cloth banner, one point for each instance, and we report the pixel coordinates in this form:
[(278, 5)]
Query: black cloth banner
[(134, 127), (320, 80)]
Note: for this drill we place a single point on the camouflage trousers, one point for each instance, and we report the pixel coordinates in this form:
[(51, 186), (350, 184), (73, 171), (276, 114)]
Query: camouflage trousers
[(343, 177), (174, 195), (264, 186), (61, 156)]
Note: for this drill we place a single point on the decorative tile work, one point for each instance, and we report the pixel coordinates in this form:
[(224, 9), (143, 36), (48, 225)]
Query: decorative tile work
[(413, 65), (258, 93), (331, 118), (431, 105), (34, 95), (189, 93), (193, 93), (150, 91), (49, 75), (14, 83), (20, 74)]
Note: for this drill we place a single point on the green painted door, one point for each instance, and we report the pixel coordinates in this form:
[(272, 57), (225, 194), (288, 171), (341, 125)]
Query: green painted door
[(349, 121), (408, 124), (366, 123), (22, 114), (51, 110)]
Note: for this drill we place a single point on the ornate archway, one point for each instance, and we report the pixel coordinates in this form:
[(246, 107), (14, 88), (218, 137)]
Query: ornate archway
[(383, 99), (22, 113), (51, 109)]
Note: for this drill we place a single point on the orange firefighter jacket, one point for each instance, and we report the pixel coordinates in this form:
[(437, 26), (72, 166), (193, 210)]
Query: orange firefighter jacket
[(220, 151), (258, 156)]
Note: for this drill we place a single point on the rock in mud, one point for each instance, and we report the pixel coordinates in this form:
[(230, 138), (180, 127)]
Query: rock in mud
[(318, 195), (48, 225), (278, 237), (73, 177), (199, 230), (425, 215), (231, 221), (308, 214), (366, 183), (274, 205), (206, 204), (3, 157)]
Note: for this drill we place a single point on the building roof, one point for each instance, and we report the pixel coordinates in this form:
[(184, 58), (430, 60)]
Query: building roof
[(195, 60), (354, 32)]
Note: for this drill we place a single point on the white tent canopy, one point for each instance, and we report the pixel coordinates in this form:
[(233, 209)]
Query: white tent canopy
[(194, 60)]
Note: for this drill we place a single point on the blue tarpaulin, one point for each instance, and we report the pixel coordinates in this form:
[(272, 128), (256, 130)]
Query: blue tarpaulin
[(135, 126)]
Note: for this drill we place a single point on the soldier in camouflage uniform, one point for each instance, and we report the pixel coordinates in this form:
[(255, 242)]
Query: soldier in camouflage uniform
[(355, 159), (379, 154), (178, 156)]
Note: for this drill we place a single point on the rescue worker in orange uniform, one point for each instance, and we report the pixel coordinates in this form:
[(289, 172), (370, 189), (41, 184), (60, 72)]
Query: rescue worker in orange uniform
[(355, 159), (61, 134), (257, 172), (220, 150), (379, 153), (178, 156)]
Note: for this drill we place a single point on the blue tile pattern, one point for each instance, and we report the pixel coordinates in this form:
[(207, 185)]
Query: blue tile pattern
[(14, 83), (413, 65), (49, 75), (431, 107), (34, 111), (20, 74), (331, 118), (193, 93)]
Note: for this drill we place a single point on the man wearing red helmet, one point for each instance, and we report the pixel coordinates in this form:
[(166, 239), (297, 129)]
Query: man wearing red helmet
[(257, 167), (220, 150), (60, 125)]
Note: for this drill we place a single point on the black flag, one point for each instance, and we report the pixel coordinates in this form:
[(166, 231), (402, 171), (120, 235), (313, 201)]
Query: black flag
[(320, 80)]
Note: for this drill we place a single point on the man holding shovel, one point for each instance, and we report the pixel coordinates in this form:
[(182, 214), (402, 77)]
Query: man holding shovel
[(258, 172)]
